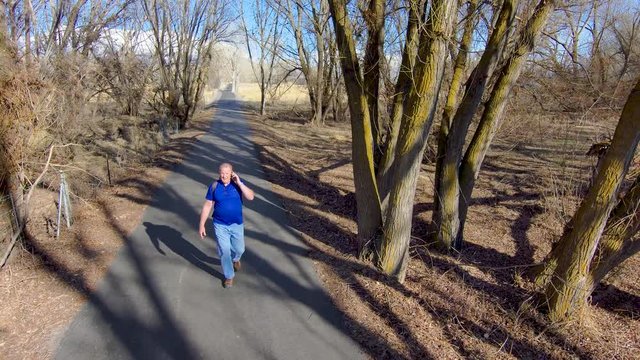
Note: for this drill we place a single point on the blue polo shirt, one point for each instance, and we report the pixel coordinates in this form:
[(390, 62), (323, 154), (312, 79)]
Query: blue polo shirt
[(227, 206)]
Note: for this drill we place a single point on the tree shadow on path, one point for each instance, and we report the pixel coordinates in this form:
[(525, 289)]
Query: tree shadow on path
[(174, 240)]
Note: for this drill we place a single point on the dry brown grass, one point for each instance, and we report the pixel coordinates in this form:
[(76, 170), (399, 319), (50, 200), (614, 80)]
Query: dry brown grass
[(469, 305), (291, 96)]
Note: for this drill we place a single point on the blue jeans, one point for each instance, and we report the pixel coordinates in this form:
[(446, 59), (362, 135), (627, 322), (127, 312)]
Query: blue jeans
[(230, 240)]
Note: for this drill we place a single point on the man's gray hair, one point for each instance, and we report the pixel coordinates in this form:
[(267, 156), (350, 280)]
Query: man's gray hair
[(224, 165)]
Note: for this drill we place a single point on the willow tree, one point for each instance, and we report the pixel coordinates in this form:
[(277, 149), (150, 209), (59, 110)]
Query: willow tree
[(72, 26), (572, 266), (403, 83), (456, 170), (374, 53), (369, 214), (390, 231), (459, 69)]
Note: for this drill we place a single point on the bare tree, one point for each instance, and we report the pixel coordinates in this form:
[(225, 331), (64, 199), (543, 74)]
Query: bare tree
[(262, 28), (590, 47), (384, 193), (184, 34), (433, 29), (310, 27), (601, 21), (124, 66), (75, 25), (456, 177), (626, 32)]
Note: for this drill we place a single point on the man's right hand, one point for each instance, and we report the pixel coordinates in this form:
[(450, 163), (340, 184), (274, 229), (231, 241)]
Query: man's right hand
[(203, 232)]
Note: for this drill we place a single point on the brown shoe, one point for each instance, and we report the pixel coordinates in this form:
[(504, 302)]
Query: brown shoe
[(227, 283), (237, 266)]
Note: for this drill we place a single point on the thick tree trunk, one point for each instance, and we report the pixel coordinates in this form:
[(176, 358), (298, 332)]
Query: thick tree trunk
[(419, 109), (369, 217), (570, 285), (460, 66), (445, 217), (374, 18), (303, 56), (403, 83), (541, 273), (619, 240), (494, 109)]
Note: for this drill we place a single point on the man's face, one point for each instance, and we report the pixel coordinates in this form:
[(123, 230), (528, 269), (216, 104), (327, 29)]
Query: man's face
[(225, 174)]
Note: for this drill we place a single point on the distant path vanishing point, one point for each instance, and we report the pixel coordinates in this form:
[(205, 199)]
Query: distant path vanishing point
[(162, 297)]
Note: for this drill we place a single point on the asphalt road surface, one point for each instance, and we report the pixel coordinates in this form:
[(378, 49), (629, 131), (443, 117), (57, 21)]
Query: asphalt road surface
[(163, 299)]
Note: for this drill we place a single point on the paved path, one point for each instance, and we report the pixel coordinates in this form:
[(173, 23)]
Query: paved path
[(163, 299)]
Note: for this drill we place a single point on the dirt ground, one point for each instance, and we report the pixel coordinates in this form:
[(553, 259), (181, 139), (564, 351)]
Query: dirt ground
[(47, 279), (450, 307), (469, 305)]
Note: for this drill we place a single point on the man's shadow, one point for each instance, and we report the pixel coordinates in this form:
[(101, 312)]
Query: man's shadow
[(175, 242)]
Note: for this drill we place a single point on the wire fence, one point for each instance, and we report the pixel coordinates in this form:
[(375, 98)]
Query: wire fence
[(8, 219), (64, 204), (9, 224)]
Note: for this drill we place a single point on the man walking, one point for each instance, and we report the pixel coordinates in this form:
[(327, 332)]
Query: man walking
[(225, 196)]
